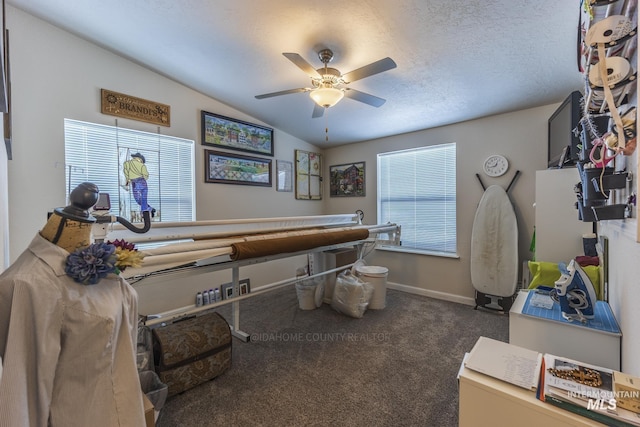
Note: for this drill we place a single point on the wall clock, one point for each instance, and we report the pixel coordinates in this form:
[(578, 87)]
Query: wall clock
[(495, 165)]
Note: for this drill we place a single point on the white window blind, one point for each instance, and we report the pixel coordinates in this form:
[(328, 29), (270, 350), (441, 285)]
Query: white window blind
[(95, 153), (417, 190)]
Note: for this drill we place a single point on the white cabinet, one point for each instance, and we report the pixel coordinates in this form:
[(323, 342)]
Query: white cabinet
[(596, 346), (558, 229)]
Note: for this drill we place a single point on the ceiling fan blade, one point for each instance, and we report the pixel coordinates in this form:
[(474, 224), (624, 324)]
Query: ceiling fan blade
[(282, 92), (369, 70), (302, 64), (318, 111), (364, 97)]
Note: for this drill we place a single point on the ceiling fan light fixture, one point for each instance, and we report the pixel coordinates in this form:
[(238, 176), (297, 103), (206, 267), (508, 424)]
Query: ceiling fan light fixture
[(326, 96)]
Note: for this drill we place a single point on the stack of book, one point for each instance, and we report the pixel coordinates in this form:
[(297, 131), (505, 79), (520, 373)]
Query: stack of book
[(587, 390), (603, 395)]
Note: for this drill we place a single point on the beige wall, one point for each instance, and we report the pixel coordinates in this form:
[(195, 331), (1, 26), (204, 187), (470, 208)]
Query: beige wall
[(55, 75), (520, 136)]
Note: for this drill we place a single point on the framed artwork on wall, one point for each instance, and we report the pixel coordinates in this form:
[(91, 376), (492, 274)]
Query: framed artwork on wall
[(227, 168), (308, 175), (284, 175), (225, 132), (347, 180)]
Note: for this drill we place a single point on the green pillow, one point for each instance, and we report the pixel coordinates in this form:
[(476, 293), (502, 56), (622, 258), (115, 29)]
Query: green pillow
[(543, 274), (546, 273)]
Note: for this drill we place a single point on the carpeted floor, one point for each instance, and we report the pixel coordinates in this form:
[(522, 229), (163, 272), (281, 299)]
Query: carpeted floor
[(395, 366)]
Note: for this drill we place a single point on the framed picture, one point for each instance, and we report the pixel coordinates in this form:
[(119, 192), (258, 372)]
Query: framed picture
[(284, 176), (347, 180), (308, 175), (244, 287), (227, 291), (229, 168), (225, 132)]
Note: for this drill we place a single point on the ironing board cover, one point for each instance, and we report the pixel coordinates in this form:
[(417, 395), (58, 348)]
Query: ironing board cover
[(603, 319)]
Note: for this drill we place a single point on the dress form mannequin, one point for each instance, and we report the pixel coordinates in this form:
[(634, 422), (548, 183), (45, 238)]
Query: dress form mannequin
[(70, 227), (70, 235), (67, 348)]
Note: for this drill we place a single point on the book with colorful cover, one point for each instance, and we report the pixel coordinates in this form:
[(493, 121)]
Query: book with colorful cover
[(584, 389)]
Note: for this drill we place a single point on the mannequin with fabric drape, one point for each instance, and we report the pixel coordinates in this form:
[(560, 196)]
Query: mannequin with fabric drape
[(68, 329)]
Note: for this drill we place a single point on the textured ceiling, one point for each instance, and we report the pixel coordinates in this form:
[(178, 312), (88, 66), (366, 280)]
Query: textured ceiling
[(456, 60)]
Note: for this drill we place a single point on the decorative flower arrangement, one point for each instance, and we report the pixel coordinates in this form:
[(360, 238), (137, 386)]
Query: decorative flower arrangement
[(127, 255), (89, 265)]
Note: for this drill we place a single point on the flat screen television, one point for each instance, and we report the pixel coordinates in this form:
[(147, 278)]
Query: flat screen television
[(564, 135)]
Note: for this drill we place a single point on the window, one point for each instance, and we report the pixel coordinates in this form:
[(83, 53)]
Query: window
[(96, 153), (417, 190)]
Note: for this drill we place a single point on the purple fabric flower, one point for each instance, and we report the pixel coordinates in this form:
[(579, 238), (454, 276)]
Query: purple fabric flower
[(89, 265)]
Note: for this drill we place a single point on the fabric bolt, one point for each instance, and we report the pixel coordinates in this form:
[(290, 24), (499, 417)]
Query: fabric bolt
[(258, 248), (68, 350)]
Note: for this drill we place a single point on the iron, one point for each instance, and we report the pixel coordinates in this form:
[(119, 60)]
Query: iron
[(575, 293)]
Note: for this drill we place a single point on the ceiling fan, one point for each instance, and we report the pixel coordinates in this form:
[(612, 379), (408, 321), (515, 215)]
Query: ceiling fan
[(329, 85)]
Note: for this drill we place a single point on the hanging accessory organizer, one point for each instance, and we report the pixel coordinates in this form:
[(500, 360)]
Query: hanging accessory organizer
[(607, 41)]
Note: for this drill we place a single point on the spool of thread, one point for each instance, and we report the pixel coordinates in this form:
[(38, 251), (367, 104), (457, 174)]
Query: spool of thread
[(589, 242)]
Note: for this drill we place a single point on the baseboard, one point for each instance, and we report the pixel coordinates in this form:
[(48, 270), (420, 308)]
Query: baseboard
[(432, 294)]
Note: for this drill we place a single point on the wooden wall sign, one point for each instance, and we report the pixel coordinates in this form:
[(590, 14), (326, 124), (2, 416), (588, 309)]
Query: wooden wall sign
[(130, 107)]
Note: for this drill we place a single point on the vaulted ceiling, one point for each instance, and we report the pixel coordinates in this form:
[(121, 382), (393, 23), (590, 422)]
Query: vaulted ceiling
[(457, 60)]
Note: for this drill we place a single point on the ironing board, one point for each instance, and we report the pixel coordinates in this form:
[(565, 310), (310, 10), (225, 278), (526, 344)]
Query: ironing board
[(494, 244)]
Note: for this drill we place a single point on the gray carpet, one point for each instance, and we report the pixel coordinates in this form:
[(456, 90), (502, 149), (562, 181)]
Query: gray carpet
[(395, 366)]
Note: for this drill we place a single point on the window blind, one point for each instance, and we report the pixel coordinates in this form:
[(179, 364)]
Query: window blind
[(417, 190), (95, 153)]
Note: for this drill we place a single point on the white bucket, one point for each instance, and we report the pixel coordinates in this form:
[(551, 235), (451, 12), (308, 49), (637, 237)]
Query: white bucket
[(376, 277), (307, 292)]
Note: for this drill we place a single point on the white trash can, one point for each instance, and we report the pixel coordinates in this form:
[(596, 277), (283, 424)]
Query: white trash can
[(376, 277), (310, 294)]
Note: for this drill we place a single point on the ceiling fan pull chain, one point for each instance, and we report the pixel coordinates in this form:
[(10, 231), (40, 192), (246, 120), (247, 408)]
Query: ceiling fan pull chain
[(326, 127)]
